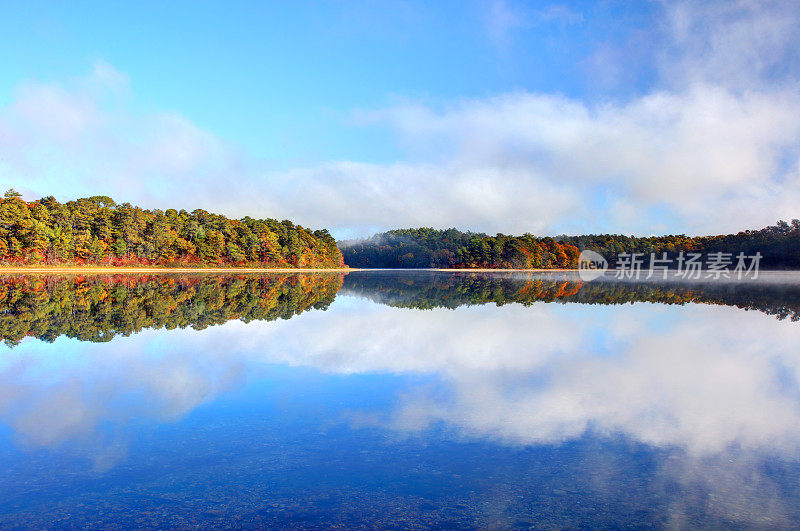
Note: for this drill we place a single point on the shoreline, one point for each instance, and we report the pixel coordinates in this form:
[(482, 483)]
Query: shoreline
[(83, 270), (125, 269), (233, 270)]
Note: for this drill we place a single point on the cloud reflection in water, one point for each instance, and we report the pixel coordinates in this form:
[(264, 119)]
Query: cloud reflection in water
[(696, 377)]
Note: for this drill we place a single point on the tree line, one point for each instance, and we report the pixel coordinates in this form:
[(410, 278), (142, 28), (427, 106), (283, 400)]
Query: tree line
[(779, 246), (451, 248), (97, 230)]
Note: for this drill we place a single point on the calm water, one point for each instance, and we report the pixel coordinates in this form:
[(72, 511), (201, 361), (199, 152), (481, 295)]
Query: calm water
[(398, 399)]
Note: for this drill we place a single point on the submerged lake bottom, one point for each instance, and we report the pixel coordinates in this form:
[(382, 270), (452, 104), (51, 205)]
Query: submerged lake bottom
[(397, 400)]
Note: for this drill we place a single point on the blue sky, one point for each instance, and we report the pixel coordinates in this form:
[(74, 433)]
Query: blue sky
[(508, 116), (282, 78)]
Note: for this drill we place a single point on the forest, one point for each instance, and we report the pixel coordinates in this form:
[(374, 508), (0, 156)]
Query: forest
[(779, 246), (97, 230), (99, 307), (451, 248)]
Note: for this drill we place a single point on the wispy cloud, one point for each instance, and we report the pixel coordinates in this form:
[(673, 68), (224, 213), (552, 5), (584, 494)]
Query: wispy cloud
[(504, 18), (83, 137)]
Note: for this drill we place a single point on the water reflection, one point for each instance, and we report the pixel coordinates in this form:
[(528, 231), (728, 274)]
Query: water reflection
[(99, 307), (774, 293), (691, 410)]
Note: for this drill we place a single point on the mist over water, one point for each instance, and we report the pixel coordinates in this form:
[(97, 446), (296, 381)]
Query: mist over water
[(450, 399)]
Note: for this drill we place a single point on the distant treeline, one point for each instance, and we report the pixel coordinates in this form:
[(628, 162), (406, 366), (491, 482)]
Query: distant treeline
[(96, 230), (97, 308), (452, 248), (779, 246)]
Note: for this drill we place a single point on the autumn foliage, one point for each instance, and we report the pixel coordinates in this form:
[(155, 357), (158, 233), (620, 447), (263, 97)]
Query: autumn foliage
[(96, 230), (779, 246), (451, 248)]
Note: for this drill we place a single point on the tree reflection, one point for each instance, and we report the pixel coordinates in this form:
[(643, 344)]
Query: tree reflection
[(97, 307), (451, 290)]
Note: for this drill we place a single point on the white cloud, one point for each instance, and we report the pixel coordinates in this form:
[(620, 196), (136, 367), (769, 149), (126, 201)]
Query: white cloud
[(82, 138), (702, 154), (348, 194), (740, 43), (106, 76)]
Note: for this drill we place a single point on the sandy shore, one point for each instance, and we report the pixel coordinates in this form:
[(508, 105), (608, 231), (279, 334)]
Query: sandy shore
[(121, 269), (83, 270)]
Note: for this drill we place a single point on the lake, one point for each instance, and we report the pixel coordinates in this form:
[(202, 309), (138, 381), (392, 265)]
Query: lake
[(399, 400)]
